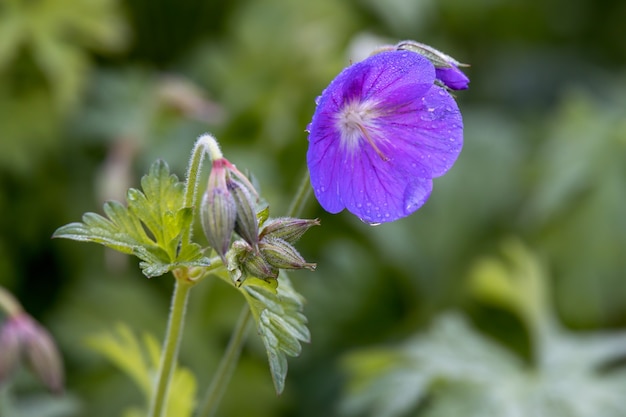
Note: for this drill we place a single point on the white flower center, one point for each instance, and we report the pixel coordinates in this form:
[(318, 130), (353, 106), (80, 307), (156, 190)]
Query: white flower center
[(356, 122)]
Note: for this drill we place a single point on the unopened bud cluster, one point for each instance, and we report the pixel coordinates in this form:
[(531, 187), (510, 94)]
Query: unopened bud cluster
[(23, 338), (275, 250), (230, 205)]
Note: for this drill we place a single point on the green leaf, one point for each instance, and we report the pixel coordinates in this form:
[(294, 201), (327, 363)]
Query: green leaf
[(456, 368), (277, 312), (41, 30), (151, 227), (139, 359)]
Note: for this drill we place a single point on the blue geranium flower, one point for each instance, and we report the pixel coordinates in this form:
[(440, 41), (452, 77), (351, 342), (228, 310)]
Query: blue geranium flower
[(382, 130)]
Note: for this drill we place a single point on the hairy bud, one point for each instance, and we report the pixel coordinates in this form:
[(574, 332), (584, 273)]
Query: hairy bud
[(218, 210), (288, 229), (21, 336)]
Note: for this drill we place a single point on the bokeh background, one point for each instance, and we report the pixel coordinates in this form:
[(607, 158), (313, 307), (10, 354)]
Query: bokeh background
[(93, 91)]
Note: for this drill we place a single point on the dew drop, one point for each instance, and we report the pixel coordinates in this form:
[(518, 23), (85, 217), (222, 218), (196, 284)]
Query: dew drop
[(369, 223)]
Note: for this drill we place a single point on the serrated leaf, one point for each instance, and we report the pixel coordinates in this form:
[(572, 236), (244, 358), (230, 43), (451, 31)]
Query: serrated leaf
[(140, 360), (277, 311), (151, 227)]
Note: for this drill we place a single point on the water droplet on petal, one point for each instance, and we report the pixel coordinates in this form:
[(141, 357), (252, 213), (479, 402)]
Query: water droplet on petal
[(369, 223)]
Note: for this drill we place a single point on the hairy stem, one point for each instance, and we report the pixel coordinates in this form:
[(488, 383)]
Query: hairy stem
[(171, 345), (206, 144)]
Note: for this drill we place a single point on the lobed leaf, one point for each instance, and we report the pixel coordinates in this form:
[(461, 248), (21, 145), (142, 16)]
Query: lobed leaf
[(277, 311), (151, 227)]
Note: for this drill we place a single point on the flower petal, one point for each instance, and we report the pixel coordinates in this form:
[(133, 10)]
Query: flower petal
[(426, 137), (380, 74), (453, 78), (375, 192)]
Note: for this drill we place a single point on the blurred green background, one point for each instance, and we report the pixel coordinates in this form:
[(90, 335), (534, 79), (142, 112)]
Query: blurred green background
[(93, 91)]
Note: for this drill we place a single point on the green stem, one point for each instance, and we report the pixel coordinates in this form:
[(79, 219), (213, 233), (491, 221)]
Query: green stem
[(301, 197), (206, 144), (171, 346), (226, 366)]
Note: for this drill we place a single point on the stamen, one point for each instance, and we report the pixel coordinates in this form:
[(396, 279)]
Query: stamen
[(372, 143)]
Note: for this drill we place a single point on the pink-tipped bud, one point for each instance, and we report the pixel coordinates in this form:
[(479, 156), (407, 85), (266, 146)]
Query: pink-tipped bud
[(22, 336), (218, 210)]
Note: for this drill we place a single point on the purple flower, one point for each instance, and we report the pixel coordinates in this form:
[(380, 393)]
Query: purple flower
[(381, 132)]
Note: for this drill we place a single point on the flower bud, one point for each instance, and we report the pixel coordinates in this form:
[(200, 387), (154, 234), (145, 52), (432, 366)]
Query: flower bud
[(246, 223), (22, 336), (244, 261), (446, 67), (218, 210), (9, 350), (287, 228), (281, 254)]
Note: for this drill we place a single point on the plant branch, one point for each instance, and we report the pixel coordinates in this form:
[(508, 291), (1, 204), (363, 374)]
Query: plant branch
[(301, 197), (171, 345), (226, 366)]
